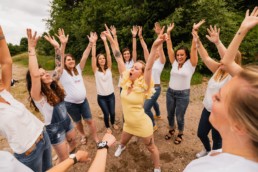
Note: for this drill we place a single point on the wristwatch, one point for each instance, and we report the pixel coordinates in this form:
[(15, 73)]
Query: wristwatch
[(73, 156), (102, 144)]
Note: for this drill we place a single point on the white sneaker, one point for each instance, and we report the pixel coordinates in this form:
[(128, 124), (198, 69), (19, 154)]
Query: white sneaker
[(119, 150), (202, 154), (157, 170)]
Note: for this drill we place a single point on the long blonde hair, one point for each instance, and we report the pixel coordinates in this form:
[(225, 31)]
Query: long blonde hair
[(221, 74), (243, 104)]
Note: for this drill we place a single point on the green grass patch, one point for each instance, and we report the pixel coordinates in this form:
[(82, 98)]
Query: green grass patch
[(47, 62)]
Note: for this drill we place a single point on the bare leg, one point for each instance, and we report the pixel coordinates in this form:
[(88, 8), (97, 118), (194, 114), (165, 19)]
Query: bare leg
[(125, 138), (93, 129), (149, 142), (79, 127), (71, 139), (62, 151)]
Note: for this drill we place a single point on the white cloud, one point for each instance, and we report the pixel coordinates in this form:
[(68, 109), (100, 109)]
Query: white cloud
[(17, 15)]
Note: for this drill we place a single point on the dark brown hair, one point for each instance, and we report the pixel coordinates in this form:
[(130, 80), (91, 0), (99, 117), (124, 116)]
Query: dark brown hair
[(97, 63), (75, 71)]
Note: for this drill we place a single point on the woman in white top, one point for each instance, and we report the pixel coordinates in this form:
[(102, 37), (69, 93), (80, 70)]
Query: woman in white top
[(183, 67), (157, 68), (71, 78), (23, 131), (128, 58), (235, 113), (101, 66), (48, 98), (219, 79)]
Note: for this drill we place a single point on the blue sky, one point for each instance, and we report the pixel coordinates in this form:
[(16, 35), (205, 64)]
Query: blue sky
[(17, 15)]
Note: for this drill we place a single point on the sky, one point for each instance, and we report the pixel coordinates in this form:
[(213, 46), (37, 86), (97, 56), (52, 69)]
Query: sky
[(17, 15)]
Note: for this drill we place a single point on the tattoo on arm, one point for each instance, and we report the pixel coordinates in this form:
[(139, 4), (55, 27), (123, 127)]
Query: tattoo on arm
[(117, 54), (58, 57)]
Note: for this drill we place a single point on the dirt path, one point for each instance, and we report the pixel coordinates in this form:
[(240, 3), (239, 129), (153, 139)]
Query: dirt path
[(136, 157)]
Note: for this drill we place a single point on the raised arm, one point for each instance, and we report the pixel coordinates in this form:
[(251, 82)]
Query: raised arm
[(33, 66), (113, 31), (109, 60), (116, 52), (143, 44), (93, 39), (193, 54), (6, 62), (171, 53), (214, 38), (87, 50), (63, 39), (211, 64), (250, 21), (148, 69), (134, 34)]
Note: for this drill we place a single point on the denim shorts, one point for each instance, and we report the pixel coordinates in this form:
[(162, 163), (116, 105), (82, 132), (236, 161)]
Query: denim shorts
[(57, 131), (79, 111)]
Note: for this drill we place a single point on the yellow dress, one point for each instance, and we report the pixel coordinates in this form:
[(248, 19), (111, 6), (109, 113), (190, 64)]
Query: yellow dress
[(137, 122)]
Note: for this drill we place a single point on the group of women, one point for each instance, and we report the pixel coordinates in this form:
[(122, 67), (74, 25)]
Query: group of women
[(229, 110)]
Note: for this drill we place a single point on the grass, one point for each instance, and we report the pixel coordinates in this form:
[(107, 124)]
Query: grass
[(47, 62)]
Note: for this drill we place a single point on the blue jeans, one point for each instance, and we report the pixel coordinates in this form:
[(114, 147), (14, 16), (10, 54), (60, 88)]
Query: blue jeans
[(107, 105), (152, 102), (204, 129), (79, 111), (177, 103), (40, 159)]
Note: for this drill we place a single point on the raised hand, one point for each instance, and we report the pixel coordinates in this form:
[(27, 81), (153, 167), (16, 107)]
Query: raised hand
[(32, 39), (250, 20), (103, 36), (93, 37), (213, 34), (140, 31), (61, 36), (113, 30), (197, 26), (134, 31), (170, 27), (157, 28), (160, 39), (51, 40)]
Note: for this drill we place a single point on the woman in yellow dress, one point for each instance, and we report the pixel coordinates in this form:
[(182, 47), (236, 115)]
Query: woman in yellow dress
[(137, 86)]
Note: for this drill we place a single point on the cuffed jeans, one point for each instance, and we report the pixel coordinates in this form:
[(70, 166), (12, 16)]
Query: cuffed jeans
[(204, 129), (177, 103), (107, 105), (152, 102)]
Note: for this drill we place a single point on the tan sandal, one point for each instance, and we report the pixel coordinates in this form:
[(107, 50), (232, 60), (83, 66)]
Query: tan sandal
[(115, 127), (84, 140)]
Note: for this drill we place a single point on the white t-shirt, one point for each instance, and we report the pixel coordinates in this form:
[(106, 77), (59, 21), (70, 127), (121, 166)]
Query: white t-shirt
[(17, 124), (104, 82), (128, 65), (45, 109), (223, 162), (212, 88), (156, 71), (8, 163), (73, 86), (180, 79)]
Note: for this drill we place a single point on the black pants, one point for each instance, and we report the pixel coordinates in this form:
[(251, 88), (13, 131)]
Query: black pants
[(204, 129)]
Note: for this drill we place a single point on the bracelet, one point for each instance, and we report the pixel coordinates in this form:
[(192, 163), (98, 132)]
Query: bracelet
[(94, 45), (2, 37), (141, 37), (32, 54), (115, 36), (134, 36)]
